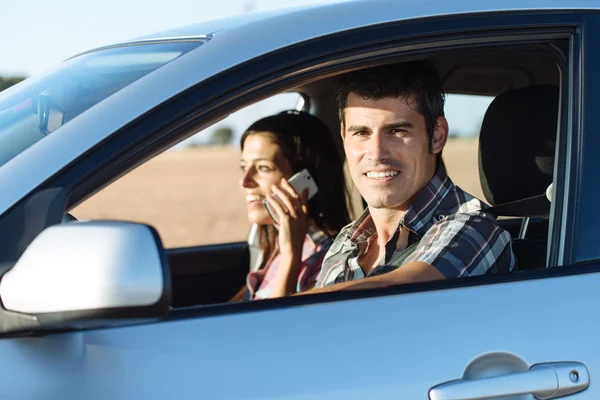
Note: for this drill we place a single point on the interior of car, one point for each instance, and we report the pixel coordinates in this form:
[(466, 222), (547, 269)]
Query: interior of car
[(517, 145)]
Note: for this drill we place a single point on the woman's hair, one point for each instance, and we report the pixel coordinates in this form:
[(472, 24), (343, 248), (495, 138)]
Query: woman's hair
[(306, 142)]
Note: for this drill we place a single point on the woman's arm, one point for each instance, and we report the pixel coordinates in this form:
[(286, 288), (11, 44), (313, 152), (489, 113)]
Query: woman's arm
[(286, 278)]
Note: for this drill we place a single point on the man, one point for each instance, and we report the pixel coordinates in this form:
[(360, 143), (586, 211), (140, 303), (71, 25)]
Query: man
[(418, 225)]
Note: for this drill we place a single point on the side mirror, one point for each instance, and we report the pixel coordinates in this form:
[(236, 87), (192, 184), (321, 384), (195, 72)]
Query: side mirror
[(86, 275)]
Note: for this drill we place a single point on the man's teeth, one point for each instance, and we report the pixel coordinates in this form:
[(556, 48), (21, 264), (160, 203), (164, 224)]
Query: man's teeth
[(375, 175), (253, 197)]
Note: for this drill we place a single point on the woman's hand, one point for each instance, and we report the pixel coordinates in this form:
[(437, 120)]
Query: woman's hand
[(292, 223), (292, 217)]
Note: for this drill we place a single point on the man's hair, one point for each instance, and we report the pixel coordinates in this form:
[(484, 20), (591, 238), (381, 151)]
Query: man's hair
[(419, 82)]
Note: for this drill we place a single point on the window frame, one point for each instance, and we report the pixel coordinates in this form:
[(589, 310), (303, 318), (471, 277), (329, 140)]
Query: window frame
[(581, 220), (154, 132)]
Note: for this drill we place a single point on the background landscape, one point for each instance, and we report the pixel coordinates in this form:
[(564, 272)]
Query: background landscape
[(192, 195)]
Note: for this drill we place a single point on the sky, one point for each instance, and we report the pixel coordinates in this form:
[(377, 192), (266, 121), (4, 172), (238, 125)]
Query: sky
[(38, 34)]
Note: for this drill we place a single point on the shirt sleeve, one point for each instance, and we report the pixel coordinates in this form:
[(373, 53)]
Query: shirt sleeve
[(311, 267), (464, 245)]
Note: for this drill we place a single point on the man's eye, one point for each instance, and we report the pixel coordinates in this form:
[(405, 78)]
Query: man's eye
[(399, 132), (360, 133), (264, 168), (243, 168)]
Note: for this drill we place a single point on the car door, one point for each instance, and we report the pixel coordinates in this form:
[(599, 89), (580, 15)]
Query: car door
[(528, 332), (387, 346)]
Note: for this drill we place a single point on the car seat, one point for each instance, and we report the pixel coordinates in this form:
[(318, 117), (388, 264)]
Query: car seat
[(516, 163)]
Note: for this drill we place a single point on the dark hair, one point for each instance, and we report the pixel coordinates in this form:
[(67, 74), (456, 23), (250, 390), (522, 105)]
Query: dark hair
[(306, 142), (417, 81)]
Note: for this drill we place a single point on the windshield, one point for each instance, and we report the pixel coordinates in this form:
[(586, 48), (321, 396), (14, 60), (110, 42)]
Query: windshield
[(38, 106)]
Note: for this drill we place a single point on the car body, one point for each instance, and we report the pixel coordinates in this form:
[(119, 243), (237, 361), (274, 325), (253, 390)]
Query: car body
[(527, 332)]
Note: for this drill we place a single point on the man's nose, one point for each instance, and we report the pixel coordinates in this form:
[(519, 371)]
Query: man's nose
[(378, 148)]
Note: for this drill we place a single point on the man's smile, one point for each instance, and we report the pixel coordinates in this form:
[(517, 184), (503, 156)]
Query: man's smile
[(382, 175)]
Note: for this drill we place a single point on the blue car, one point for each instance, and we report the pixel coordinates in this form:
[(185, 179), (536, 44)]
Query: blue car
[(101, 310)]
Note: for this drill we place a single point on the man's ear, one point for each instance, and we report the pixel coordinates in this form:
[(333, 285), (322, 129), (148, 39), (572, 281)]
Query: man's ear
[(342, 128), (440, 135)]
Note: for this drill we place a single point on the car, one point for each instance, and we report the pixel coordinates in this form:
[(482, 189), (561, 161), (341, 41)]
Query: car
[(100, 309)]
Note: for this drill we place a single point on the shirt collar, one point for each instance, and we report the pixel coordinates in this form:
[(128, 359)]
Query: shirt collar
[(420, 216), (363, 228), (425, 208)]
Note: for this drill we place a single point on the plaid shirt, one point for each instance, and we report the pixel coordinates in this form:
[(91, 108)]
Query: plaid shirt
[(444, 227), (314, 249)]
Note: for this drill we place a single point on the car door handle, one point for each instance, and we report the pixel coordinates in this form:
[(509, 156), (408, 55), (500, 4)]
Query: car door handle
[(544, 381)]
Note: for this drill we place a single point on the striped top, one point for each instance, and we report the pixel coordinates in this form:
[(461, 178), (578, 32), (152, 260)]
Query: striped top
[(316, 244)]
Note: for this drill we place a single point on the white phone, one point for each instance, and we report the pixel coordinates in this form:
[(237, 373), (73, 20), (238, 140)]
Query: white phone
[(300, 182)]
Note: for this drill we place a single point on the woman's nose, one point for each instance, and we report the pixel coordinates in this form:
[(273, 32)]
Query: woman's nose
[(247, 180)]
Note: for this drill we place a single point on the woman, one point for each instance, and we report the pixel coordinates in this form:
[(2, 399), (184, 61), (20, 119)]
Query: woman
[(273, 149)]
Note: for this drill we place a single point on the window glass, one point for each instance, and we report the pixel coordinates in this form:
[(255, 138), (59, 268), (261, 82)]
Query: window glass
[(465, 114), (38, 106), (190, 193)]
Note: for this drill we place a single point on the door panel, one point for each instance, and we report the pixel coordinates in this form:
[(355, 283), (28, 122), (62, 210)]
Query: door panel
[(42, 367), (207, 274), (392, 347)]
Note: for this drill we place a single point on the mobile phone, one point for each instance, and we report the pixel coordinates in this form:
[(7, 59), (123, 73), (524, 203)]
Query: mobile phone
[(300, 181)]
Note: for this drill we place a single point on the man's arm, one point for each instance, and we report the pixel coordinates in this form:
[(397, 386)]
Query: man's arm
[(463, 245), (416, 271)]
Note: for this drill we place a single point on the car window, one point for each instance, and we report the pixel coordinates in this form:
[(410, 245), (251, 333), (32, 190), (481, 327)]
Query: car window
[(190, 193), (39, 106)]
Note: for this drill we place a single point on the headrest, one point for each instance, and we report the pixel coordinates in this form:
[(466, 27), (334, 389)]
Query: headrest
[(517, 142)]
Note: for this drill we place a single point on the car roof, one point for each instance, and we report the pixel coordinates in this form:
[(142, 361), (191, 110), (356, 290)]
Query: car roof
[(210, 27), (358, 11)]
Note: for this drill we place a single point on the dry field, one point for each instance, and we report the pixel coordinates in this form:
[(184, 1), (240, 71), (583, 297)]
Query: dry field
[(192, 196)]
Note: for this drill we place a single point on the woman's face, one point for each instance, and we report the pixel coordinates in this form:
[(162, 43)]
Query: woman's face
[(263, 165)]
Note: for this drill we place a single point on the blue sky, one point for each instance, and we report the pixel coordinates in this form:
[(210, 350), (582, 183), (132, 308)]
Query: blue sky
[(39, 34)]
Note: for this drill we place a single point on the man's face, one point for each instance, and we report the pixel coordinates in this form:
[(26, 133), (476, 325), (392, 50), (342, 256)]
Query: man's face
[(387, 149)]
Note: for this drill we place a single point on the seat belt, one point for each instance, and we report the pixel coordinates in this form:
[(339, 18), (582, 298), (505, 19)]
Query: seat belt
[(398, 260), (536, 206)]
